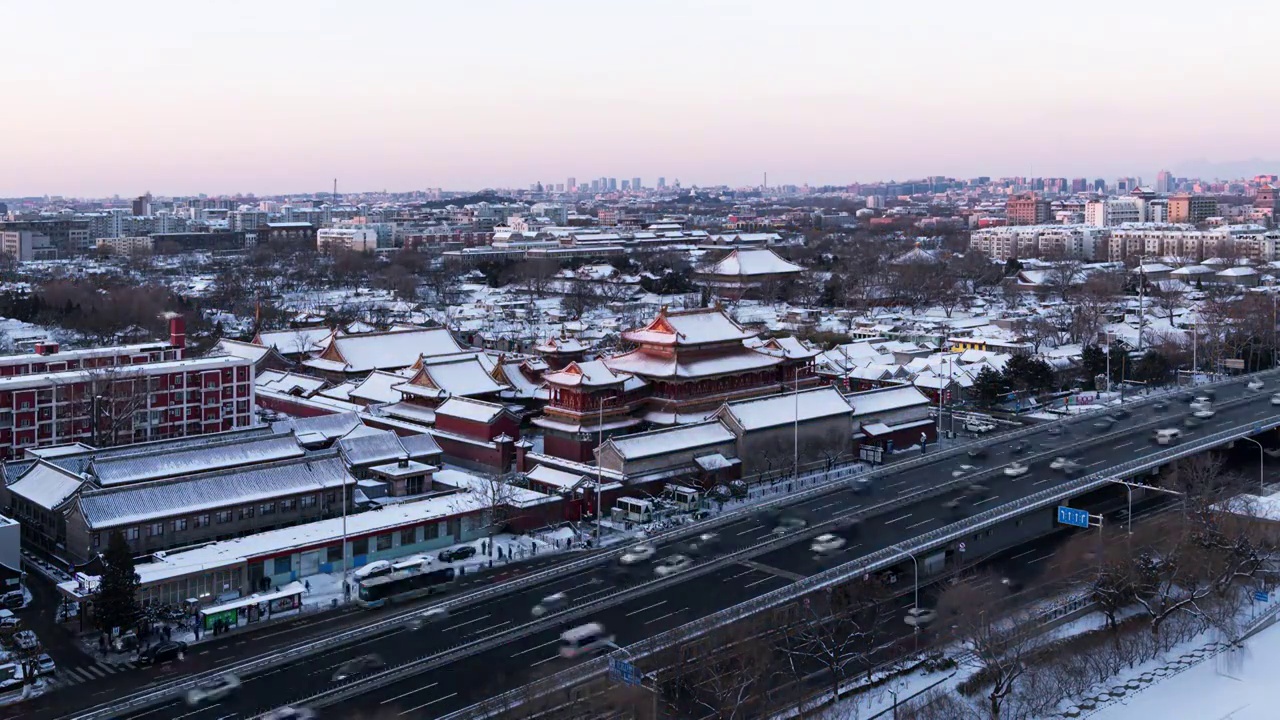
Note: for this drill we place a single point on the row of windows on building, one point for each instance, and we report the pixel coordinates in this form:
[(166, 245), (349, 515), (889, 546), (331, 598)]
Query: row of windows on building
[(220, 517)]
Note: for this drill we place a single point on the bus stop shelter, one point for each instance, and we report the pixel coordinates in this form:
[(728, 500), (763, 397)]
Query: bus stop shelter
[(253, 608)]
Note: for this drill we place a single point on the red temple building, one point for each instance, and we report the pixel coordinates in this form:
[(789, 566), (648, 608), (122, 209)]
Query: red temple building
[(683, 367)]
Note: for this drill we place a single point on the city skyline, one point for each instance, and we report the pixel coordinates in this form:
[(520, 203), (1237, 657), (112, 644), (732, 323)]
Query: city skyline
[(169, 99)]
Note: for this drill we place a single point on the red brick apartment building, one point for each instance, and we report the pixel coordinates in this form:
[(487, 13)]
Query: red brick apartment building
[(118, 395)]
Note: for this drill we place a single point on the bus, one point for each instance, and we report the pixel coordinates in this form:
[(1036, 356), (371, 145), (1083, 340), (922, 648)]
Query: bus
[(403, 585)]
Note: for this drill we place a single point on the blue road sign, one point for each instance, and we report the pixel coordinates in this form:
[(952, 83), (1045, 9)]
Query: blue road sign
[(1261, 596), (624, 672), (1073, 516)]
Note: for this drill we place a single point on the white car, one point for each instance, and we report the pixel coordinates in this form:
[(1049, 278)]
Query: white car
[(1275, 399), (638, 554), (45, 665), (827, 543), (214, 690), (1201, 403), (673, 564), (550, 604), (26, 640), (1255, 384), (789, 523), (1016, 469), (919, 617), (435, 614), (975, 426), (1064, 464), (963, 470), (1204, 414), (290, 713)]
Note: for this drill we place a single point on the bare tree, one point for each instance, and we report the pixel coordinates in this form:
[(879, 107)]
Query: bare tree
[(995, 633), (725, 674), (109, 405), (838, 631)]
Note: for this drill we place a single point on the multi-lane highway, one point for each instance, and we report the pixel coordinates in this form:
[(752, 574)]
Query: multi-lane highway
[(642, 614)]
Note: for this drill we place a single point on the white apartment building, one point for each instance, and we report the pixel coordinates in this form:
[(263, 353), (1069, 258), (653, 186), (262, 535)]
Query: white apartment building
[(357, 239), (1186, 242), (1028, 241)]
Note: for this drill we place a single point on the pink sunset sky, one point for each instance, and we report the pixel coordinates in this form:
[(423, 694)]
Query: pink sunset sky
[(284, 95)]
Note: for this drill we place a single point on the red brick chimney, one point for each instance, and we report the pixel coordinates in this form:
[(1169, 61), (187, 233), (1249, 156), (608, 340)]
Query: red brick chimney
[(177, 331)]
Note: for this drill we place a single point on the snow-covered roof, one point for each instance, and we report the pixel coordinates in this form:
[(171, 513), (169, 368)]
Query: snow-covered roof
[(382, 446), (1192, 270), (421, 446), (326, 427), (390, 350), (378, 387), (153, 501), (46, 485), (468, 409), (645, 364), (297, 341), (456, 376), (872, 402), (557, 478), (689, 327), (1238, 272), (748, 262), (289, 383), (235, 348), (657, 442), (168, 463), (594, 373), (785, 409)]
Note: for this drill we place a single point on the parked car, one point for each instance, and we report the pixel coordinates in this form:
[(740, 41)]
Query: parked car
[(213, 691), (13, 600), (977, 426), (638, 554), (358, 666), (459, 553), (9, 621), (164, 652), (373, 569), (26, 640), (45, 665), (827, 543), (673, 564), (919, 617), (550, 604), (1016, 469)]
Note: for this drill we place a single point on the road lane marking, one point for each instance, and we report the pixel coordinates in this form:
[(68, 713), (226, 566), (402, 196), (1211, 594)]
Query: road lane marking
[(890, 522), (980, 502), (433, 702), (455, 627), (493, 627), (1015, 557), (415, 690), (637, 612), (1046, 557), (535, 647), (664, 617), (797, 577), (922, 522), (553, 657), (1041, 482), (1123, 445), (765, 579), (735, 577)]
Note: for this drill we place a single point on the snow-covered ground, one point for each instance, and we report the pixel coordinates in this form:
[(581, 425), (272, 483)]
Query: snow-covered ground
[(1237, 684)]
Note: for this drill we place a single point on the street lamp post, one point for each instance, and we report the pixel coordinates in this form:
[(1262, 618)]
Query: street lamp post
[(915, 568), (599, 467), (1262, 458)]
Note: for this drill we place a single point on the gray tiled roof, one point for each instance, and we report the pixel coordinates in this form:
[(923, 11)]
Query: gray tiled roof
[(372, 449), (190, 461), (154, 501)]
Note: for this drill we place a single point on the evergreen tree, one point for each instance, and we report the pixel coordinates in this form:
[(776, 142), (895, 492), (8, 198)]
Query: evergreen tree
[(1153, 368), (1024, 372), (988, 387), (117, 604)]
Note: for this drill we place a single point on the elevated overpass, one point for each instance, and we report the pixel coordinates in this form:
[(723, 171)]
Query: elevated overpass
[(491, 643)]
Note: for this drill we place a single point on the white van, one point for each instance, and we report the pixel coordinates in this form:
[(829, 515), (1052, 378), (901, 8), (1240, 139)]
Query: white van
[(1201, 403), (584, 639), (1168, 436)]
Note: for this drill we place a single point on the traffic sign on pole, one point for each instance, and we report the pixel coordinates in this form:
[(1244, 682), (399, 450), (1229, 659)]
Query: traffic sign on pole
[(1073, 516), (961, 547), (623, 672), (1261, 596)]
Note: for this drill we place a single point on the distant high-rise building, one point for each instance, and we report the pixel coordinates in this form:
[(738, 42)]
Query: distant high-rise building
[(1027, 209), (613, 184), (1079, 185), (1100, 185), (573, 184), (1192, 208), (559, 187), (626, 185), (1164, 182), (635, 183), (662, 183), (142, 205), (595, 186)]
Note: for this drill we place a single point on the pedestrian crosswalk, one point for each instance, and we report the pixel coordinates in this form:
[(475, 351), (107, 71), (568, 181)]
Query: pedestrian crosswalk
[(89, 673)]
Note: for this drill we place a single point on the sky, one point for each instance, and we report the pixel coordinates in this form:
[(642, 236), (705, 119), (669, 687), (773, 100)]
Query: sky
[(278, 96)]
